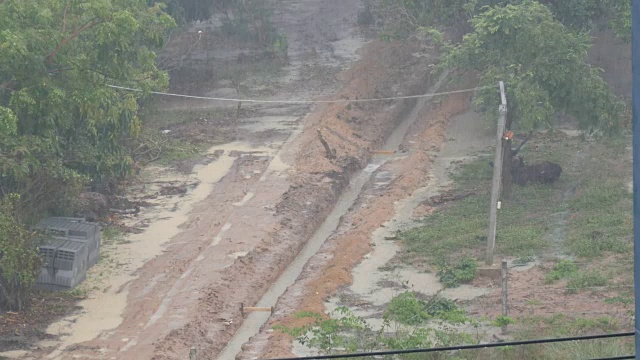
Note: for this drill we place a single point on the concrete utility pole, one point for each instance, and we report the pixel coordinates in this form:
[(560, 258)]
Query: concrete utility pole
[(635, 33), (497, 177)]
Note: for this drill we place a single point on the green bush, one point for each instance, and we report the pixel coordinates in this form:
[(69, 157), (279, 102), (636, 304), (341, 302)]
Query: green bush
[(460, 273), (19, 258), (408, 309)]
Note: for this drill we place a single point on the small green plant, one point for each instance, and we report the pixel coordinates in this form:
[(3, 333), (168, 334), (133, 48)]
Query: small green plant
[(407, 309), (280, 46), (502, 321), (79, 293), (462, 272), (619, 300), (524, 260), (586, 280), (534, 302), (563, 269), (345, 332), (327, 334)]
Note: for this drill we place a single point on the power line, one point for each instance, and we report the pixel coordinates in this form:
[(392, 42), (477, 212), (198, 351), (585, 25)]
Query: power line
[(302, 101), (465, 347)]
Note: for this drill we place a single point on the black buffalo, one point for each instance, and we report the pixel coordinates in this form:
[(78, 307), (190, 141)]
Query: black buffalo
[(543, 173)]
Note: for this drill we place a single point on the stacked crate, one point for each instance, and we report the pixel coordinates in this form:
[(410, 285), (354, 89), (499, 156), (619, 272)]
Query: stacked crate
[(74, 246)]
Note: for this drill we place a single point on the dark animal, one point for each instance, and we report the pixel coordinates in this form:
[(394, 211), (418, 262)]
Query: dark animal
[(542, 173), (516, 151)]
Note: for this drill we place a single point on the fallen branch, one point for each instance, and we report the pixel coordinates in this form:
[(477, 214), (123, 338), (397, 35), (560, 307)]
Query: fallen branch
[(331, 154)]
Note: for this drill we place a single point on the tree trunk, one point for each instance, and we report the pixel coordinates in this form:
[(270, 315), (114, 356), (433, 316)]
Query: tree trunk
[(11, 295)]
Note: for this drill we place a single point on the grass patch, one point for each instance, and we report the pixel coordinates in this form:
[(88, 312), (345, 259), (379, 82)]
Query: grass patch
[(176, 150), (587, 213), (594, 349), (603, 220), (563, 269), (462, 226), (111, 232), (462, 272), (588, 279), (171, 136), (563, 326), (456, 228), (534, 302), (408, 309), (590, 350)]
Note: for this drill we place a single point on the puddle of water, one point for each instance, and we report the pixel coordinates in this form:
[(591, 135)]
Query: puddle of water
[(218, 238), (244, 200), (14, 354)]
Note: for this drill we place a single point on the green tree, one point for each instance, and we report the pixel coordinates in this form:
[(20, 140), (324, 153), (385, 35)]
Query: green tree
[(61, 126), (403, 17), (620, 22), (56, 58), (543, 64), (19, 260)]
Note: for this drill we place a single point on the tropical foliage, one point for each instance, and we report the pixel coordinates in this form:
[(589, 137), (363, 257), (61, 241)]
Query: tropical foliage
[(62, 127), (544, 66)]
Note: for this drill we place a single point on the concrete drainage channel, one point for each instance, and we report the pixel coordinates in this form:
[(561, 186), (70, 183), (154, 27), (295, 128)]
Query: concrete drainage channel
[(255, 320)]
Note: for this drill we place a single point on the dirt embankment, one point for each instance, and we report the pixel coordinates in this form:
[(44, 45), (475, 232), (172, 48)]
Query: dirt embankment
[(351, 242), (351, 130)]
